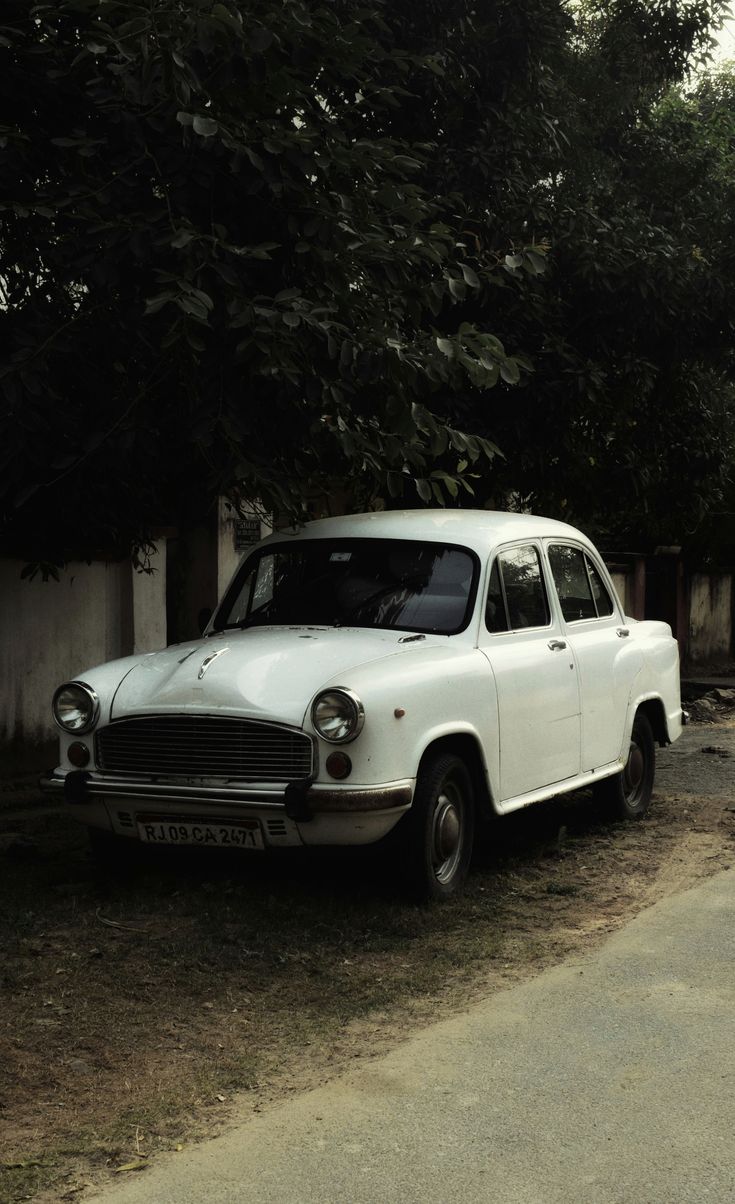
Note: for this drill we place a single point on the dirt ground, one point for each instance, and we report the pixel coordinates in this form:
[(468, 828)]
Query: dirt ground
[(151, 1009)]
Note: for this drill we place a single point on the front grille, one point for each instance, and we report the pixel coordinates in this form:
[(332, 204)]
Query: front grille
[(204, 746)]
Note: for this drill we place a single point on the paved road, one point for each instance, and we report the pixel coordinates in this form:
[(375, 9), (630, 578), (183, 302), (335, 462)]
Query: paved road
[(609, 1080)]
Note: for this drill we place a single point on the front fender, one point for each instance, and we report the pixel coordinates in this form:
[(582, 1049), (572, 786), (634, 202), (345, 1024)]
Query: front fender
[(434, 697)]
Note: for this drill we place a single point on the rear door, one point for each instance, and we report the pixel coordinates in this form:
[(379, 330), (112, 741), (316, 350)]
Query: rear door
[(535, 675), (606, 657)]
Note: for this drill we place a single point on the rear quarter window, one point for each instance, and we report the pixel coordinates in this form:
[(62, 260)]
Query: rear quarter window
[(579, 586)]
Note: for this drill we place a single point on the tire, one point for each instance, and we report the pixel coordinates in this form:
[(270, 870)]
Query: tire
[(627, 795), (438, 831)]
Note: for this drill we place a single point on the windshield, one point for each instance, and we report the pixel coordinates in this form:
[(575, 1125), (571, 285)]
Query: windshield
[(400, 583)]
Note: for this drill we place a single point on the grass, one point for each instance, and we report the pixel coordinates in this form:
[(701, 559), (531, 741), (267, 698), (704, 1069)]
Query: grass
[(135, 1008), (25, 1179)]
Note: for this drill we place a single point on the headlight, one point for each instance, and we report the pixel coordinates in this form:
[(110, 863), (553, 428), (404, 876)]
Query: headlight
[(337, 715), (76, 707)]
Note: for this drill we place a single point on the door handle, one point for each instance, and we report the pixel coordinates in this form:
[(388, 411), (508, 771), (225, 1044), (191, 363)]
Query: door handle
[(622, 632), (557, 645)]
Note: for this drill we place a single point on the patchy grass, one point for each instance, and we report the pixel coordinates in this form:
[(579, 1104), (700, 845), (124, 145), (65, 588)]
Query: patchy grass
[(136, 1007), (25, 1179)]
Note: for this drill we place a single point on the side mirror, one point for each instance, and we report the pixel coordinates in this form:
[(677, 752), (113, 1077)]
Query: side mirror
[(203, 618)]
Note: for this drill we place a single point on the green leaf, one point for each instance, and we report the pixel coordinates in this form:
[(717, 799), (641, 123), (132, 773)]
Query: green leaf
[(447, 347), (470, 276), (537, 262), (205, 298), (204, 126), (193, 306), (260, 39), (406, 163), (254, 158), (394, 481), (510, 372), (233, 19), (423, 489), (153, 304)]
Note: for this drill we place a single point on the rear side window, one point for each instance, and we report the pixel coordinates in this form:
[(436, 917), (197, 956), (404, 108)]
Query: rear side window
[(516, 595), (581, 590)]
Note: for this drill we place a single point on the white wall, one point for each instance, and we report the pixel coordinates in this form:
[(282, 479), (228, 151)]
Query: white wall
[(53, 630), (149, 604), (620, 581), (230, 545), (228, 555), (710, 617), (202, 560)]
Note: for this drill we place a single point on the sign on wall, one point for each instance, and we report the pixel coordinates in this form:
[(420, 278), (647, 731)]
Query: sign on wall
[(247, 532)]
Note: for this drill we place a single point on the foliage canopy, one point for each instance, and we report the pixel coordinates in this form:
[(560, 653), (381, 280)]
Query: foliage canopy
[(275, 250), (220, 274)]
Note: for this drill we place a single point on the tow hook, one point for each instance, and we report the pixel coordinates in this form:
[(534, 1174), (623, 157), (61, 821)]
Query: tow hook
[(297, 807), (75, 786)]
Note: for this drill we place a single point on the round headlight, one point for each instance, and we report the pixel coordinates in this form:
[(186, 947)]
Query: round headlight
[(76, 707), (338, 715)]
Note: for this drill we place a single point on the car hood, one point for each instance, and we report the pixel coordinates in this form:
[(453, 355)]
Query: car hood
[(268, 673)]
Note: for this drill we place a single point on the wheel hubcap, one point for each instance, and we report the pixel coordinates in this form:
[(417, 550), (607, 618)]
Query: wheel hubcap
[(447, 831), (447, 834), (634, 772)]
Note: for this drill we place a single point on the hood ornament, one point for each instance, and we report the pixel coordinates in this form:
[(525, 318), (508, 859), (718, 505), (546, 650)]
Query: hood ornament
[(208, 660)]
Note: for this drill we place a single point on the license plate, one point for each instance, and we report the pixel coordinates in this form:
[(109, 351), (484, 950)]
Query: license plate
[(245, 834)]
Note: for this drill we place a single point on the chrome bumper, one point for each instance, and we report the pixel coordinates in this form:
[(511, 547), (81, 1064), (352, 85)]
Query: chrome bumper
[(299, 800)]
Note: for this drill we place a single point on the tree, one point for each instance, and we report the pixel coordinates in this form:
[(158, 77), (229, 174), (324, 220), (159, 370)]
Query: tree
[(307, 245), (597, 147), (220, 272)]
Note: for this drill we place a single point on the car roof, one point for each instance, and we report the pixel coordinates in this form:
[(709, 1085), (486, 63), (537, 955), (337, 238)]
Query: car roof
[(477, 529)]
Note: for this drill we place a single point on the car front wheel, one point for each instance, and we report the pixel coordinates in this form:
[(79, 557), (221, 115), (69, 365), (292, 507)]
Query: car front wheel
[(439, 828), (628, 794)]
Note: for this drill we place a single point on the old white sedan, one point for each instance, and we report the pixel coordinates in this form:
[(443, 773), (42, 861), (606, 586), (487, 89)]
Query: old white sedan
[(388, 675)]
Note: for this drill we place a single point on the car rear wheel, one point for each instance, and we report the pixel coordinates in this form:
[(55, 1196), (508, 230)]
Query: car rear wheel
[(438, 831), (628, 794)]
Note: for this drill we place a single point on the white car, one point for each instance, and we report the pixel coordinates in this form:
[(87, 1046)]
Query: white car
[(380, 675)]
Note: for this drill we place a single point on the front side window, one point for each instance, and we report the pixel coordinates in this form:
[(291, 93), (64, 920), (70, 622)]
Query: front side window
[(406, 584), (516, 594), (582, 593)]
